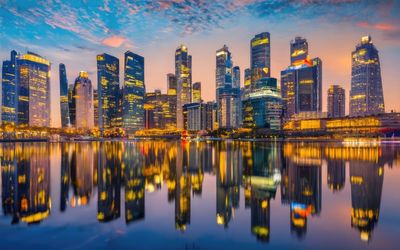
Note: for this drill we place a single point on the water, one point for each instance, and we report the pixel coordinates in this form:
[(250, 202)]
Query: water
[(199, 195)]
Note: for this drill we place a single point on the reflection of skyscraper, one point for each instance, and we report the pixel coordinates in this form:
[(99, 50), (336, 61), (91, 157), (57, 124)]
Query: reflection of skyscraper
[(134, 92), (64, 109), (83, 101), (182, 190), (82, 164), (366, 95), (134, 184), (366, 190), (336, 174), (32, 76), (109, 182), (9, 180), (183, 73), (9, 90), (65, 176)]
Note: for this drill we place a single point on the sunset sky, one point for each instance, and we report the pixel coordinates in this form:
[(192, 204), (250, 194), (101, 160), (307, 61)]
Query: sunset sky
[(74, 32)]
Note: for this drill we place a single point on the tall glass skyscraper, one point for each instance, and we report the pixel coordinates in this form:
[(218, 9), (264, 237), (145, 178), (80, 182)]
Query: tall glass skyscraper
[(108, 90), (227, 95), (236, 77), (9, 90), (83, 101), (260, 58), (33, 88), (301, 82), (196, 92), (366, 95), (183, 73), (336, 101), (134, 92), (172, 98), (64, 107)]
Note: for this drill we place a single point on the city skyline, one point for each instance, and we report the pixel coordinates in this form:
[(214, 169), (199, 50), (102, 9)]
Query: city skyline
[(334, 51)]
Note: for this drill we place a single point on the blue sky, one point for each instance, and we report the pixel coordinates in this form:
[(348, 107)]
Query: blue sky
[(73, 32)]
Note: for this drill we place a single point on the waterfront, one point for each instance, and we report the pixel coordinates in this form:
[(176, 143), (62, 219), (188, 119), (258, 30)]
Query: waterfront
[(199, 195)]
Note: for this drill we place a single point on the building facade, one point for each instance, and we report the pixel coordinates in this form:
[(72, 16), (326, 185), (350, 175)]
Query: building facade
[(83, 101), (170, 117), (183, 73), (108, 90), (198, 116), (260, 57), (366, 94), (9, 90), (196, 92), (336, 101), (134, 92), (64, 106)]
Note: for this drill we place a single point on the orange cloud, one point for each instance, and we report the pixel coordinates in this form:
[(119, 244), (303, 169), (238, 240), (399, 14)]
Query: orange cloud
[(113, 41), (378, 26)]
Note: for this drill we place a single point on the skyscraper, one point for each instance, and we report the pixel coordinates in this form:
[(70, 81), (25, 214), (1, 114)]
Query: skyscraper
[(301, 82), (64, 107), (9, 90), (236, 77), (134, 92), (172, 99), (227, 95), (336, 101), (260, 58), (366, 94), (183, 73), (83, 101), (33, 88), (196, 92), (108, 90)]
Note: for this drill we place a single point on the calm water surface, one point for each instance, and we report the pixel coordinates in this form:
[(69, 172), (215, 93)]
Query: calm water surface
[(174, 195)]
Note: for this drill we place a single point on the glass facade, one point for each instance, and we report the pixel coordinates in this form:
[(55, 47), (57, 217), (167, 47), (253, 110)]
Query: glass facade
[(9, 90), (64, 108), (108, 90), (183, 73), (172, 99), (260, 58), (83, 101), (196, 92), (336, 101), (366, 95), (134, 92)]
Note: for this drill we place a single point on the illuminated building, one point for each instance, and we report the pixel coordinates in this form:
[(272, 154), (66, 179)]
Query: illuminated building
[(32, 78), (210, 115), (170, 116), (336, 101), (247, 82), (83, 101), (156, 110), (183, 74), (64, 108), (82, 173), (198, 116), (71, 103), (228, 181), (108, 90), (260, 58), (301, 82), (227, 95), (262, 108), (366, 94), (336, 174), (236, 77), (9, 90), (109, 182), (96, 107), (134, 92), (366, 191), (196, 92)]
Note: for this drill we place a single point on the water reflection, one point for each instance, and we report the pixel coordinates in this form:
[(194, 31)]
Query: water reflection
[(102, 170)]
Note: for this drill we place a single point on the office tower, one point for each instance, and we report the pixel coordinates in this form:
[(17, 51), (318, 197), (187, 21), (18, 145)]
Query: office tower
[(247, 82), (366, 94), (228, 96), (171, 92), (301, 82), (262, 108), (336, 101), (64, 108), (236, 77), (96, 107), (156, 110), (108, 90), (71, 104), (183, 73), (134, 92), (196, 92), (260, 58), (118, 122), (9, 90), (83, 101), (198, 116), (33, 88)]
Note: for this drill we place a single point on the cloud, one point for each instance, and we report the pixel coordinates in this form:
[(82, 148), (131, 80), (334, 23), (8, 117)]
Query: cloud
[(113, 41), (390, 31)]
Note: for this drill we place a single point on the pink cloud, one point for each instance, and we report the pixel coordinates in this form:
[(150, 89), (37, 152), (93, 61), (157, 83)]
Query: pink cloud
[(113, 41), (378, 26)]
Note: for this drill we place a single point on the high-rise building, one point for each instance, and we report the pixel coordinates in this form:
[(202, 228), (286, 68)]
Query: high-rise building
[(183, 73), (134, 92), (32, 77), (9, 90), (247, 82), (83, 101), (96, 107), (108, 89), (64, 105), (260, 58), (263, 106), (301, 82), (236, 77), (198, 116), (71, 104), (156, 110), (196, 92), (336, 101), (228, 96), (170, 117), (366, 94)]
